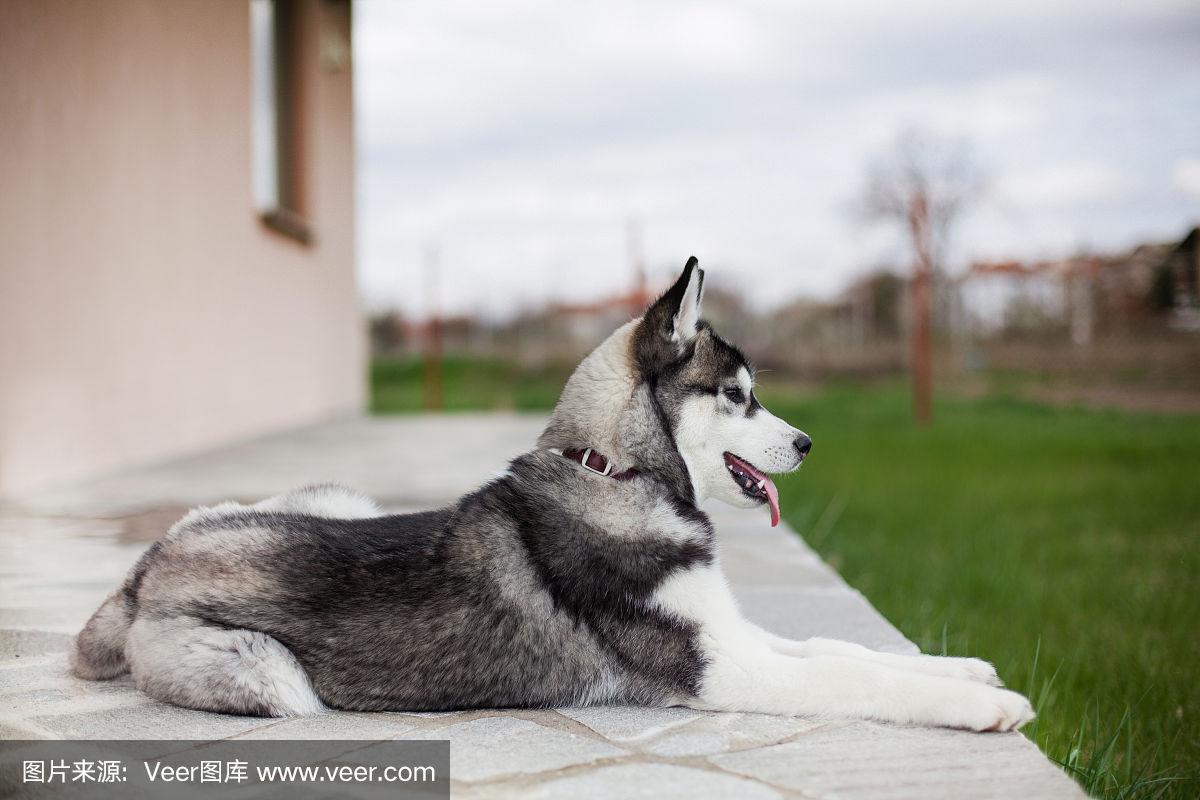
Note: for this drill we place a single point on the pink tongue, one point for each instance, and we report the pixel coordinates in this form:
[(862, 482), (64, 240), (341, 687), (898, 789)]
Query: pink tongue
[(772, 500)]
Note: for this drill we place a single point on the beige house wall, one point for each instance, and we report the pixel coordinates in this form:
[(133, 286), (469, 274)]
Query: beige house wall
[(145, 311)]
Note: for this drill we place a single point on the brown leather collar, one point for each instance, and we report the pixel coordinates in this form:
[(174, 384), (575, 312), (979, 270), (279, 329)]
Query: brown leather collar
[(599, 464)]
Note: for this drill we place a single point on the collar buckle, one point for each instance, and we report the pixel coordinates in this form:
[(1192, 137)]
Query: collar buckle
[(587, 456)]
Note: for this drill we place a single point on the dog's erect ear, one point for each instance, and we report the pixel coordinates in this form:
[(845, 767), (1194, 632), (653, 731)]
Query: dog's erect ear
[(676, 313), (688, 315), (672, 321)]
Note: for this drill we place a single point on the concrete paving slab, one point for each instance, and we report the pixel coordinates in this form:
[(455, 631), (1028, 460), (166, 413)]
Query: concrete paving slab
[(395, 459), (16, 643), (834, 613), (755, 565), (345, 725), (870, 760), (713, 734), (631, 723), (503, 746), (146, 720), (638, 781), (62, 551)]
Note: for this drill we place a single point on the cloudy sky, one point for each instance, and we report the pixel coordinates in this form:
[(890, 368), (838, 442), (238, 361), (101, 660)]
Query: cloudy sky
[(516, 140)]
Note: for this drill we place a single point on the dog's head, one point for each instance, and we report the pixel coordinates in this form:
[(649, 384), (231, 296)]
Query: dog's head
[(667, 395), (705, 388)]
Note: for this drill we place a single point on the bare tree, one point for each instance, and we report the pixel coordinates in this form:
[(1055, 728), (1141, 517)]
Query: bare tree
[(923, 183)]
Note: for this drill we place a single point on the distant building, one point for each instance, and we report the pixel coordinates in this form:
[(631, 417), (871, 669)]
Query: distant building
[(591, 322), (1177, 283), (860, 332), (1005, 295), (1083, 295), (177, 220)]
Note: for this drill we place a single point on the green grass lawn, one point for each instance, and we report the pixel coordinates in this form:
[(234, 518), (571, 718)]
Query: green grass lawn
[(468, 384), (1062, 545)]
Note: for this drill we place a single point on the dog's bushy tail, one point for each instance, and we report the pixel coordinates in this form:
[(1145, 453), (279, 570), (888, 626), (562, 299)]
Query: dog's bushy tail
[(99, 651)]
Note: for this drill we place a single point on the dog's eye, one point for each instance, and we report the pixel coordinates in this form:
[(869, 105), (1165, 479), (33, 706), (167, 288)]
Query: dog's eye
[(735, 395)]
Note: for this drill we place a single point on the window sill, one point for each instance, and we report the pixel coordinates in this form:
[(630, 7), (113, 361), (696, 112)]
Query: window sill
[(289, 223)]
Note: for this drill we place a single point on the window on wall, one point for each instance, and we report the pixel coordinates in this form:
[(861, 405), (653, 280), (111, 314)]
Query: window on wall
[(278, 168)]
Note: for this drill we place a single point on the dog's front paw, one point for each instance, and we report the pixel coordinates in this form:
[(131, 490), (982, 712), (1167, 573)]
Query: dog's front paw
[(974, 669), (990, 709)]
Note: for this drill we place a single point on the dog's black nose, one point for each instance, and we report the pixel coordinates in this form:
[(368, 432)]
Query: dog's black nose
[(803, 445)]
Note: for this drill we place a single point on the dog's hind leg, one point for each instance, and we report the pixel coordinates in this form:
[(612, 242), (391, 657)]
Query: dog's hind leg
[(98, 652), (195, 664)]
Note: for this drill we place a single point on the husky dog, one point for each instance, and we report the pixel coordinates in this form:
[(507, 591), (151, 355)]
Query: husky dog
[(585, 574)]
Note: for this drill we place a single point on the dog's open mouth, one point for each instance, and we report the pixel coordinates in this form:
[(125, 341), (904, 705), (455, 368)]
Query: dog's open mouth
[(754, 483)]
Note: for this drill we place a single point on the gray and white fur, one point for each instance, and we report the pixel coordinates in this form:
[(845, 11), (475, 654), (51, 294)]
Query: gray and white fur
[(550, 586)]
